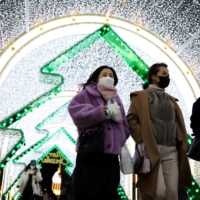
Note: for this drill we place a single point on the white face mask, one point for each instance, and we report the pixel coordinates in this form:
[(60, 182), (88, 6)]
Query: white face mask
[(107, 81), (32, 167)]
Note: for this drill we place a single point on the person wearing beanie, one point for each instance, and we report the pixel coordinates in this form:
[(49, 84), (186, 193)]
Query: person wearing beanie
[(29, 182)]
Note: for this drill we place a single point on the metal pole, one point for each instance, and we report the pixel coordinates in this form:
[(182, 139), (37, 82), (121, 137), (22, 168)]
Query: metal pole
[(110, 8)]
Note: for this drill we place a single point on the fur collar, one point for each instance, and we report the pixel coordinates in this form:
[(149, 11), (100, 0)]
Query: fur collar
[(92, 89)]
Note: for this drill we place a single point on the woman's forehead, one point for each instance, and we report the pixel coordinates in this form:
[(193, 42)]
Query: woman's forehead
[(163, 69), (106, 71)]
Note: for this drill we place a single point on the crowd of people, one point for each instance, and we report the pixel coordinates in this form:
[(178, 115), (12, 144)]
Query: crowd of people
[(154, 118)]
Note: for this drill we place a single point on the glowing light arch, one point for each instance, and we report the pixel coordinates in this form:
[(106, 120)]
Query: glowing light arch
[(188, 85)]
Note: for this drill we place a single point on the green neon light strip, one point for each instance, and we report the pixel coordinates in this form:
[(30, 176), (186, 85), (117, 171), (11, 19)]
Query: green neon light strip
[(17, 196), (46, 138), (194, 191), (121, 193), (120, 47), (36, 146), (69, 136), (17, 146), (11, 186), (55, 147), (126, 53), (29, 108), (72, 52), (32, 148), (189, 140), (62, 130), (50, 117)]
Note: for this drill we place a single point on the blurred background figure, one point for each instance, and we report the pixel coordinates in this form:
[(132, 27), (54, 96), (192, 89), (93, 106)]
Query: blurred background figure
[(45, 196), (28, 184)]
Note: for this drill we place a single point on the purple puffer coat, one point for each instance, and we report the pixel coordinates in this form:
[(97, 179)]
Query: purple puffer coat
[(86, 110)]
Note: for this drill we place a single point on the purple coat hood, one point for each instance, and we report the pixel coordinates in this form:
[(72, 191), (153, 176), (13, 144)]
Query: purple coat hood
[(86, 110)]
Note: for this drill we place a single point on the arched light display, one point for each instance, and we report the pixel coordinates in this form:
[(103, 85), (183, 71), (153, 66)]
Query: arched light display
[(106, 33)]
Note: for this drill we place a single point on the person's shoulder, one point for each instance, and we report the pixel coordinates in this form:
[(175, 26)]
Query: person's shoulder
[(89, 89), (198, 100), (138, 93), (172, 97), (24, 172), (81, 94)]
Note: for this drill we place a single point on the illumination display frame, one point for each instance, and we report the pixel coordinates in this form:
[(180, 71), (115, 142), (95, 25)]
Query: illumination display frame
[(119, 46), (59, 91)]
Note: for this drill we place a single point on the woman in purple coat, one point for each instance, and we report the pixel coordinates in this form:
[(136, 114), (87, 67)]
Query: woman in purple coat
[(98, 105)]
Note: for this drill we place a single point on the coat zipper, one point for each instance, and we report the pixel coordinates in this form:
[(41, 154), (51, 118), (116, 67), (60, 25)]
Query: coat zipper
[(166, 116)]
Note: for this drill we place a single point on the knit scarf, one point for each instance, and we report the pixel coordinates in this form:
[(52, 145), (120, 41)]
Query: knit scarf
[(107, 93), (110, 94)]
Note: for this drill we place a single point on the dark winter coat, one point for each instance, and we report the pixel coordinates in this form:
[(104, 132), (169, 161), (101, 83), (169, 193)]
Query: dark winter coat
[(195, 117)]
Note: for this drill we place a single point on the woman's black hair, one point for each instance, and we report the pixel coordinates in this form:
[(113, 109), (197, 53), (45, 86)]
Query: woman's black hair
[(28, 167), (154, 69), (94, 76)]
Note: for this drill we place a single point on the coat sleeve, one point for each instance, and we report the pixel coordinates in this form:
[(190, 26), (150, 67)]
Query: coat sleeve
[(125, 123), (134, 122), (85, 114), (21, 180), (38, 177)]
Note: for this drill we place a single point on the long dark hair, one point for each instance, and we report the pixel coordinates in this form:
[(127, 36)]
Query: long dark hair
[(154, 69), (28, 167), (94, 76)]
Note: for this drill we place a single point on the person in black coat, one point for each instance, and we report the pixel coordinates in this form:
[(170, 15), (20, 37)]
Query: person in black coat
[(194, 149), (195, 118)]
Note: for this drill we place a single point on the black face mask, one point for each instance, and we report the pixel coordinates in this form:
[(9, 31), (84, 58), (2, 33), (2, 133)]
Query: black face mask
[(164, 81)]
